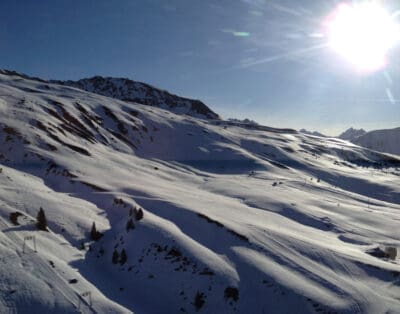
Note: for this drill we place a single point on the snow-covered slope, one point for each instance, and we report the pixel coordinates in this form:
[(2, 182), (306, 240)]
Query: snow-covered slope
[(131, 91), (237, 218), (352, 134), (387, 141)]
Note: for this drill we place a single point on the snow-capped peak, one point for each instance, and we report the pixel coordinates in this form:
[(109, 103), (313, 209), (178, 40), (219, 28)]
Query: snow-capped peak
[(137, 92), (351, 134)]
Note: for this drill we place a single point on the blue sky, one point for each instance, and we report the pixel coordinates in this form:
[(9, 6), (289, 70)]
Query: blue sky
[(254, 59)]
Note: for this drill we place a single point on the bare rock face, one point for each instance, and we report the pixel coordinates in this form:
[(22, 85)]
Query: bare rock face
[(137, 92)]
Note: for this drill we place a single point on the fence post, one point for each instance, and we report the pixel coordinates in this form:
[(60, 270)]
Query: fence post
[(29, 238)]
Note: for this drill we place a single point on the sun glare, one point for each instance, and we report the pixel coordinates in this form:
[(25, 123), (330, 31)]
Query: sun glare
[(363, 33)]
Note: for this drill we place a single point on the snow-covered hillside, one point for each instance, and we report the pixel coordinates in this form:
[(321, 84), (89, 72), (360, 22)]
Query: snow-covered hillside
[(387, 141), (196, 215), (131, 91)]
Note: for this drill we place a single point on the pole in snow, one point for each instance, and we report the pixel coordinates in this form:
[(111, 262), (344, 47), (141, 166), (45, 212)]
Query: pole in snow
[(86, 296), (29, 238)]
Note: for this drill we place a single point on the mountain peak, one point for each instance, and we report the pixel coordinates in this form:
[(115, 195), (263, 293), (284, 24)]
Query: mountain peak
[(129, 90), (352, 134), (132, 91)]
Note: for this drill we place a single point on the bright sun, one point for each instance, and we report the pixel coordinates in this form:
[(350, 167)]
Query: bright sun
[(363, 33)]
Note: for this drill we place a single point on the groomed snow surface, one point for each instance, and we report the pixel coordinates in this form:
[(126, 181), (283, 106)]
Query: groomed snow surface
[(237, 218)]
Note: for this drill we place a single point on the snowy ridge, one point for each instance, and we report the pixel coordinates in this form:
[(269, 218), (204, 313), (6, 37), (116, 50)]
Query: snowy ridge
[(314, 133), (237, 218), (137, 92)]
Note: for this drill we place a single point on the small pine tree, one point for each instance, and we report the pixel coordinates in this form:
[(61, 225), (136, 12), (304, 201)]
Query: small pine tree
[(139, 214), (123, 257), (94, 234), (93, 231), (41, 223), (115, 257), (130, 225)]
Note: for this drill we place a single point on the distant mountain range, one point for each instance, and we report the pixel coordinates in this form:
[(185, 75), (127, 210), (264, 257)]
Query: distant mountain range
[(386, 141)]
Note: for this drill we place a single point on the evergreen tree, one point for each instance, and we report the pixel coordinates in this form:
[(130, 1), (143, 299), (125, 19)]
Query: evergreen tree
[(41, 223), (94, 234), (123, 257), (115, 257), (130, 225), (139, 214)]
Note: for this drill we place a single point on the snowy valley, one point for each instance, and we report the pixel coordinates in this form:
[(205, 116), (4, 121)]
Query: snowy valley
[(193, 213)]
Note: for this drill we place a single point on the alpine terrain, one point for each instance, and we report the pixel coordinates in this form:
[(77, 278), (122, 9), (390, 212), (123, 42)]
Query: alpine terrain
[(117, 197)]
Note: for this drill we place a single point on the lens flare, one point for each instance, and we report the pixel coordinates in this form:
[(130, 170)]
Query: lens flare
[(363, 33)]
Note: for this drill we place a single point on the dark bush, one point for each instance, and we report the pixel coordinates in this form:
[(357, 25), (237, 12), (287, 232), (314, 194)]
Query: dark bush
[(130, 225), (139, 214), (231, 293), (199, 300), (115, 257), (14, 217), (123, 257), (174, 252)]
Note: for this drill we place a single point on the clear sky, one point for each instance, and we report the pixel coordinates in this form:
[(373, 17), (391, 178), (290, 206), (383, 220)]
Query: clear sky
[(260, 59)]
